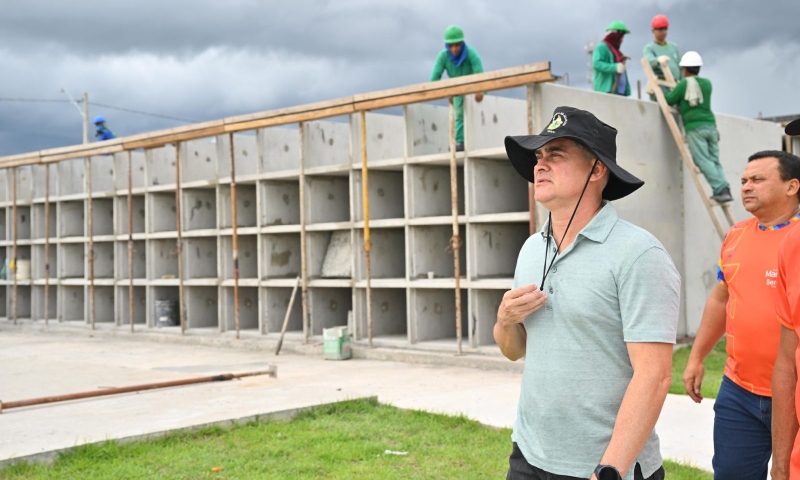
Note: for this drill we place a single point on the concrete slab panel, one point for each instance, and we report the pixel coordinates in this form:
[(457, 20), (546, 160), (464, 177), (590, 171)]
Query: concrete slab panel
[(385, 137), (385, 195), (161, 212), (281, 258), (137, 214), (430, 194), (327, 199), (139, 260), (202, 307), (483, 315), (245, 155), (279, 149), (495, 187), (430, 251), (199, 208), (71, 177), (246, 207), (103, 173), (328, 307), (103, 260), (434, 314), (276, 301), (248, 256), (121, 170), (326, 144), (248, 308), (162, 259), (338, 256), (102, 216), (494, 248), (280, 203), (160, 166), (389, 313), (122, 305), (427, 128), (487, 123), (388, 255), (200, 257)]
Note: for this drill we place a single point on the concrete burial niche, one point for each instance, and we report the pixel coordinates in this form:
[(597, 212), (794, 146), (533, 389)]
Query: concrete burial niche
[(246, 206), (248, 308), (103, 304), (385, 195), (202, 307), (495, 247), (430, 251), (200, 257), (276, 302), (429, 191), (389, 314), (137, 214), (328, 307), (329, 254), (199, 209), (139, 260), (37, 306), (281, 255), (122, 305), (483, 313), (279, 203), (161, 212), (71, 219), (39, 220), (248, 256), (39, 261), (103, 260), (23, 223), (102, 216), (71, 303), (327, 199), (72, 260), (433, 314), (387, 256), (495, 187), (162, 256)]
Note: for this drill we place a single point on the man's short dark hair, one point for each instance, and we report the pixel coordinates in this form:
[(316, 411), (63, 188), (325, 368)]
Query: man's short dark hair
[(693, 70), (788, 164)]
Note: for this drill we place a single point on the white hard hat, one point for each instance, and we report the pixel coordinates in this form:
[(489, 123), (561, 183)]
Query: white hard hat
[(691, 59)]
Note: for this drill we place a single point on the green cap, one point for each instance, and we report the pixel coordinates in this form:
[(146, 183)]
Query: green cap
[(617, 25), (453, 34)]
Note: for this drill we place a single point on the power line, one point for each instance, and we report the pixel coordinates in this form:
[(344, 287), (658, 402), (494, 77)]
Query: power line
[(139, 112), (33, 100), (103, 105)]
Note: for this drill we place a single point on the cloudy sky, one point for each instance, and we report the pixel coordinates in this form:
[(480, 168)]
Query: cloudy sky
[(202, 59)]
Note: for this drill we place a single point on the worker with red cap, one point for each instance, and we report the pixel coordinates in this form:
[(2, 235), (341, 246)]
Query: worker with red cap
[(660, 50)]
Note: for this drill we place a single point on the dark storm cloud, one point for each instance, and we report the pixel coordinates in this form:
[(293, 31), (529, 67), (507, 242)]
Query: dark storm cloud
[(207, 59)]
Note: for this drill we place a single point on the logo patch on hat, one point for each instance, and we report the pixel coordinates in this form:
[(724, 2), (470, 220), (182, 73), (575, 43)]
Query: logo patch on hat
[(559, 120)]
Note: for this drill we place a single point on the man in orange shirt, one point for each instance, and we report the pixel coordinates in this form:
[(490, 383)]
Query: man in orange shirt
[(786, 407), (742, 306)]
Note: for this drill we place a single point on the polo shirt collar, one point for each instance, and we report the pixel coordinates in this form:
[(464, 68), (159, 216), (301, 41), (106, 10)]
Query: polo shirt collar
[(598, 229)]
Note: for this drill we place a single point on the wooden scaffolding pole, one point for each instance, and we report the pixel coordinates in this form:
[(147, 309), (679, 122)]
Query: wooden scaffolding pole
[(367, 241), (47, 244), (12, 268), (130, 241), (179, 242), (90, 227), (235, 239), (455, 241), (303, 260)]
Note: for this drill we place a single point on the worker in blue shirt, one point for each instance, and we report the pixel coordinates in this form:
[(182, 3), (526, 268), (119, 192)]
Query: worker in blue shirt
[(103, 132)]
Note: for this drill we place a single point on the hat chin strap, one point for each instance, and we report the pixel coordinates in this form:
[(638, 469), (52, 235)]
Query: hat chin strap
[(545, 268)]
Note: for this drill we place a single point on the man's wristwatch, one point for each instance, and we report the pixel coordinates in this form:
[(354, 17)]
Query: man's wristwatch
[(607, 472)]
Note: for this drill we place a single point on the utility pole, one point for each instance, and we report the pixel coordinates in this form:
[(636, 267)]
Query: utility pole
[(85, 117), (84, 113)]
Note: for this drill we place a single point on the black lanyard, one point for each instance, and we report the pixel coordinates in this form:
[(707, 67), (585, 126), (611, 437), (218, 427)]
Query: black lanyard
[(545, 268)]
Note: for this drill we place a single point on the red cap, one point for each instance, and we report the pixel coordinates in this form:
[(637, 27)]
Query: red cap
[(660, 21)]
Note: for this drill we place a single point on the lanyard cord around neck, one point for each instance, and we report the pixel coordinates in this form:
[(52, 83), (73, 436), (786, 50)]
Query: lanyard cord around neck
[(545, 268)]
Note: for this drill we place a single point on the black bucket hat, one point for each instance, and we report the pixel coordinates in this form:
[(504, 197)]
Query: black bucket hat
[(793, 128), (583, 127)]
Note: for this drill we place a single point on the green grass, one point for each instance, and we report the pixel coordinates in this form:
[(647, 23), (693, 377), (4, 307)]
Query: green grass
[(343, 441), (715, 366)]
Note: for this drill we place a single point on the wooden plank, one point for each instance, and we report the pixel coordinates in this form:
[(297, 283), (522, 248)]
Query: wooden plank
[(488, 81)]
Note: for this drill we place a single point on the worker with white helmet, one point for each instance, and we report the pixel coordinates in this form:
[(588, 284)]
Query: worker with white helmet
[(693, 97)]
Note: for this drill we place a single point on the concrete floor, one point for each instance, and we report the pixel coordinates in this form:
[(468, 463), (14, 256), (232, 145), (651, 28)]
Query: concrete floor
[(34, 365)]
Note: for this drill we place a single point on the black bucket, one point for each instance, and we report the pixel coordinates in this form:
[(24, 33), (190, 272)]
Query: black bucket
[(167, 313)]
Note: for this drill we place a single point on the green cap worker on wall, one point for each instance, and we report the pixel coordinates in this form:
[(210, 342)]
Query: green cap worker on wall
[(608, 62), (457, 59)]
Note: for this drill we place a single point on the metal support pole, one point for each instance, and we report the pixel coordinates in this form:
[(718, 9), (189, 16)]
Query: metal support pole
[(531, 188), (234, 223), (179, 242), (90, 228), (455, 241), (46, 243), (303, 260), (367, 241), (13, 263), (130, 240)]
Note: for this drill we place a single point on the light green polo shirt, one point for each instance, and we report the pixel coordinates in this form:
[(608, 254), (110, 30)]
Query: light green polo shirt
[(615, 284)]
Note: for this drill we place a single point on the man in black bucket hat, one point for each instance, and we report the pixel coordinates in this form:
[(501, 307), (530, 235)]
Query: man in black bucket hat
[(594, 311)]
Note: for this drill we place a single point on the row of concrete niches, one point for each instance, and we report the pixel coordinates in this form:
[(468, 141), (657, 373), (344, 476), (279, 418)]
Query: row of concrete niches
[(411, 253), (262, 309)]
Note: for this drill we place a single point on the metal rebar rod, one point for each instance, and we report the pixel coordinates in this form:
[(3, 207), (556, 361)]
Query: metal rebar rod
[(90, 228), (272, 372), (130, 241), (367, 241), (13, 271), (303, 260), (179, 242), (234, 222), (455, 242), (46, 243), (531, 189)]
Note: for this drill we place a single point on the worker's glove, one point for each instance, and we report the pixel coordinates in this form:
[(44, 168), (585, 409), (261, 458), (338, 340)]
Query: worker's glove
[(663, 59), (620, 67)]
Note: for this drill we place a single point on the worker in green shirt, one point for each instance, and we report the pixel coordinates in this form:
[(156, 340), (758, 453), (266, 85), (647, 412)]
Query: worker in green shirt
[(661, 50), (693, 97), (457, 59), (608, 63)]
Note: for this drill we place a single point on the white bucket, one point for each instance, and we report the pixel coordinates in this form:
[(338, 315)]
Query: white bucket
[(23, 269)]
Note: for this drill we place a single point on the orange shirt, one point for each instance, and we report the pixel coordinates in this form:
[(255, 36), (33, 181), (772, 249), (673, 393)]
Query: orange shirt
[(788, 307), (748, 265)]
